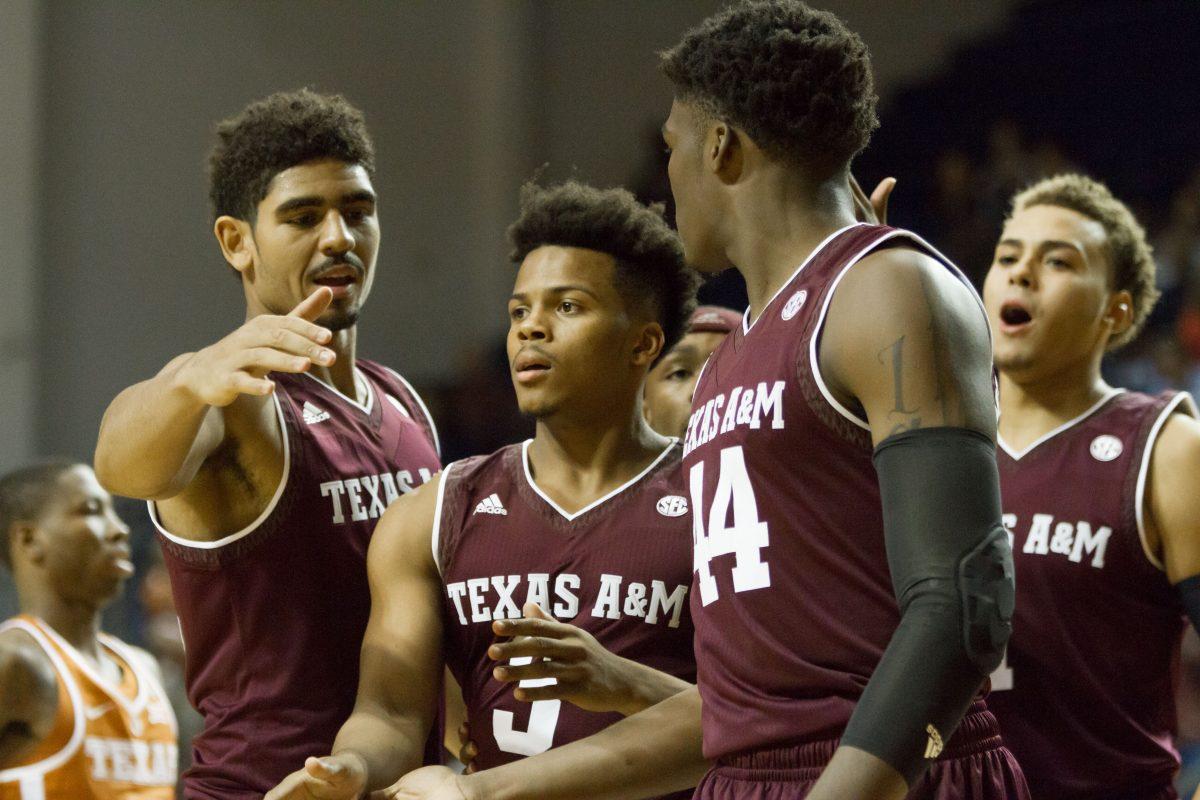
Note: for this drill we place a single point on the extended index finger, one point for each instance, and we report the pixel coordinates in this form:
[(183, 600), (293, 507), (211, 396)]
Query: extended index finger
[(314, 305)]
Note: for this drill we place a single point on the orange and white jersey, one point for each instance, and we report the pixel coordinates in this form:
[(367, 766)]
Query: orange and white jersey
[(109, 740)]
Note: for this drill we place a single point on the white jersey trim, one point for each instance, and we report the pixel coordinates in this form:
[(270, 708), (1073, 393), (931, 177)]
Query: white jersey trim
[(132, 707), (1045, 437), (253, 526), (31, 774), (359, 380), (437, 442), (1139, 498), (746, 323), (569, 516), (816, 335), (145, 676), (436, 534)]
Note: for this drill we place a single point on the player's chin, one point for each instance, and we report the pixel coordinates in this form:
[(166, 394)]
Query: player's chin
[(339, 318), (536, 403)]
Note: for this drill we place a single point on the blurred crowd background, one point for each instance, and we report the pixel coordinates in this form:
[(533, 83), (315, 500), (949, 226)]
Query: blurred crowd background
[(110, 270)]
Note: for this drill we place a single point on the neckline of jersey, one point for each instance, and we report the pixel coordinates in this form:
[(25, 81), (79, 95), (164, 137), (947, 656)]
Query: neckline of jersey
[(747, 325), (1045, 437), (597, 502), (359, 378), (132, 706)]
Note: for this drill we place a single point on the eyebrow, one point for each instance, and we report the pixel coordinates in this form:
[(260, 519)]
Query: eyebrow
[(1048, 244), (558, 290), (312, 201), (682, 350)]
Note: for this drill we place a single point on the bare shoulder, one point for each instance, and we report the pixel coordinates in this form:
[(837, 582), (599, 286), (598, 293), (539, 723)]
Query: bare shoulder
[(27, 676), (405, 531), (1177, 450), (1173, 501), (906, 340)]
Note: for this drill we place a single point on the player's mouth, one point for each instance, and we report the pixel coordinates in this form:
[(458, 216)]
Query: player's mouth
[(1015, 318), (120, 561), (340, 279), (530, 366)]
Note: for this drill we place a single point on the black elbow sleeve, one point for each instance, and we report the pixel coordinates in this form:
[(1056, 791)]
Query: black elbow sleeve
[(952, 573)]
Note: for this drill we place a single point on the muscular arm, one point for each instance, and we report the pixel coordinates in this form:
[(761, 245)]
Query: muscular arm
[(401, 662), (157, 434), (1173, 503), (654, 752), (920, 359), (28, 697)]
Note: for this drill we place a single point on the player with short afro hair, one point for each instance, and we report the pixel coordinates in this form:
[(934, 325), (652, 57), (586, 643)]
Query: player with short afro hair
[(275, 134), (648, 255), (795, 79), (23, 494)]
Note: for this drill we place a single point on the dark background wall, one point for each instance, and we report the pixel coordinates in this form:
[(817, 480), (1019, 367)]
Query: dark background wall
[(110, 265)]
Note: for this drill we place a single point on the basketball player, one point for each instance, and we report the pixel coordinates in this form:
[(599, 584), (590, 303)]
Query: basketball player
[(268, 456), (82, 714), (853, 583), (669, 385), (585, 521), (1099, 489)]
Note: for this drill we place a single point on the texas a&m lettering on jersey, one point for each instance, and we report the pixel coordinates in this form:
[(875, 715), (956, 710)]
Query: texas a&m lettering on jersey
[(619, 568), (789, 549), (1085, 696), (368, 496)]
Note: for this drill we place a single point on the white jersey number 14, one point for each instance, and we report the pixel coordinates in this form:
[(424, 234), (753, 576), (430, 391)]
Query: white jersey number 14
[(745, 538)]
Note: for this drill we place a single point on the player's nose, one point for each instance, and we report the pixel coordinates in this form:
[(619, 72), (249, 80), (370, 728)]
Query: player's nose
[(533, 326), (336, 236), (118, 531), (1021, 273)]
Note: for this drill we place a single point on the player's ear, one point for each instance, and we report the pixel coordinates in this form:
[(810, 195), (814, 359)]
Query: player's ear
[(648, 344), (236, 240), (25, 540), (1119, 315), (724, 151)]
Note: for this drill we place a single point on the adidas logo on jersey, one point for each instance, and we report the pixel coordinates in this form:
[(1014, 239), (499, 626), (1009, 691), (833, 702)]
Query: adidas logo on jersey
[(312, 414), (491, 505)]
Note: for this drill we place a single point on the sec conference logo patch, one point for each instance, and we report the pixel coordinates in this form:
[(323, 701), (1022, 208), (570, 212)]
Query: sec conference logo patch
[(1106, 448), (792, 307), (673, 506)]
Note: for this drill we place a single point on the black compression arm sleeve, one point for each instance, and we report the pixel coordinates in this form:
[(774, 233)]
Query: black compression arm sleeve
[(952, 573)]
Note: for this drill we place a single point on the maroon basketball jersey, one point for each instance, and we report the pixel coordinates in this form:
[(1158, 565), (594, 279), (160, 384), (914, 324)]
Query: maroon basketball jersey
[(620, 569), (273, 616), (793, 600), (1085, 697)]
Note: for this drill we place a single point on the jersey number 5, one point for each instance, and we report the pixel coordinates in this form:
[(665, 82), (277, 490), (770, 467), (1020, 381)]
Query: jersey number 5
[(745, 538), (543, 718)]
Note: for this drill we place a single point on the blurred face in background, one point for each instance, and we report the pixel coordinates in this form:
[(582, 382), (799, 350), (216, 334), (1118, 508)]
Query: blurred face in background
[(1049, 293), (574, 347), (670, 385), (77, 546), (317, 226)]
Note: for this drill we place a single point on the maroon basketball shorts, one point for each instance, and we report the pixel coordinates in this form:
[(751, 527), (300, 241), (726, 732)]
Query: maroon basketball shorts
[(974, 766)]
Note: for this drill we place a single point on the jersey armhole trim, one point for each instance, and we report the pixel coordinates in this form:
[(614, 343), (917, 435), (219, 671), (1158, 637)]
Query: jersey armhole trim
[(52, 762), (1139, 498), (436, 534), (263, 517), (814, 363), (437, 444)]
